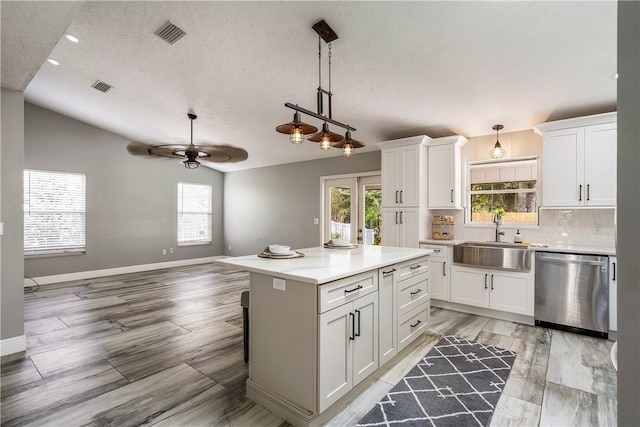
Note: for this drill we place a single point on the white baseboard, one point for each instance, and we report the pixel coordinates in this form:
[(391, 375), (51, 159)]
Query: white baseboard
[(13, 345), (80, 275)]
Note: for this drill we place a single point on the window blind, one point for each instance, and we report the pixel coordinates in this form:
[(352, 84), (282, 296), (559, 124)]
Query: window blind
[(194, 214), (54, 212)]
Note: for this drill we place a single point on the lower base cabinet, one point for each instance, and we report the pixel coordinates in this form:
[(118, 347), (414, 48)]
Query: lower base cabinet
[(348, 347), (507, 291)]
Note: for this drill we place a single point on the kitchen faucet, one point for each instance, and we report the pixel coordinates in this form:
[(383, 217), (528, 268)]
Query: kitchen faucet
[(496, 219)]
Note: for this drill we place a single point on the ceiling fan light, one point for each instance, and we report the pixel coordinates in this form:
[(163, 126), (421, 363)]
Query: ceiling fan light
[(191, 163), (297, 135)]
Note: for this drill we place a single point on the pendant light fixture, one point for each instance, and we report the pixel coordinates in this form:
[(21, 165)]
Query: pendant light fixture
[(191, 152), (497, 152), (297, 129)]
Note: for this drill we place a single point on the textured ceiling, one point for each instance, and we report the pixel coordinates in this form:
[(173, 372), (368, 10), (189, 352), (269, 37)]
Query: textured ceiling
[(399, 69)]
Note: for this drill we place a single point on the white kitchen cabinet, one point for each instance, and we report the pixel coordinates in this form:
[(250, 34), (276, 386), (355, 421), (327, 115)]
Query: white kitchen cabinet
[(444, 172), (507, 291), (579, 162), (400, 227), (613, 293), (403, 165), (348, 350), (387, 324), (439, 271)]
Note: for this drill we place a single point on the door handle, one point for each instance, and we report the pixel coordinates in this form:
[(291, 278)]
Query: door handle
[(415, 267), (485, 281), (401, 196), (396, 196), (396, 217), (357, 334), (492, 282), (416, 292), (588, 192), (401, 217), (417, 323), (444, 269), (613, 264), (357, 288), (451, 196), (580, 193), (353, 326), (386, 273)]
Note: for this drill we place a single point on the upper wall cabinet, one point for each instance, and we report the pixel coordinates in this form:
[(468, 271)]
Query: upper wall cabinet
[(444, 172), (579, 161), (403, 177)]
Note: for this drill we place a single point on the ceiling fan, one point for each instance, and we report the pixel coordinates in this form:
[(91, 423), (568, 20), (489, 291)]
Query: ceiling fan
[(192, 154)]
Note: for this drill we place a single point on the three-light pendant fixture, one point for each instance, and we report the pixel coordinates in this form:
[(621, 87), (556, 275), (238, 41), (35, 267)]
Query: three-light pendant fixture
[(297, 129)]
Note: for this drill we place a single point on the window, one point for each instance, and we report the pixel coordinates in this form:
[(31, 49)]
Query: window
[(54, 212), (509, 185), (194, 214)]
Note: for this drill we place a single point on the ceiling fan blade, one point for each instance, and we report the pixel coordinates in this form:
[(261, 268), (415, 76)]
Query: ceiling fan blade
[(222, 153), (206, 153)]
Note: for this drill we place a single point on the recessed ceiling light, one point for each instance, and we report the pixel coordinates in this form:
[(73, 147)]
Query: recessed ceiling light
[(53, 61), (72, 38)]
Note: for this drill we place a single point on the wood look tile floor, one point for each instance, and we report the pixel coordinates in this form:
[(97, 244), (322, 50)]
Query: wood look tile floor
[(165, 348)]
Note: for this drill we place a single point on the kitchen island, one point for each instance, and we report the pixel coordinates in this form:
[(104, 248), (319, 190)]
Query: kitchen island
[(321, 324)]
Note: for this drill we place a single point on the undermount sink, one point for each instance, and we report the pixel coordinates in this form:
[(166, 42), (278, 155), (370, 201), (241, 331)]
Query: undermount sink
[(496, 255)]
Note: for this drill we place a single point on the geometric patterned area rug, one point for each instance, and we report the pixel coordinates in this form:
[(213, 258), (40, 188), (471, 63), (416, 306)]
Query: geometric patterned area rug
[(458, 383)]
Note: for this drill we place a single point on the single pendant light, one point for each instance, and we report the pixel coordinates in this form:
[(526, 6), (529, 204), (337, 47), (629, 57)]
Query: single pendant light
[(325, 137), (296, 129), (348, 144), (497, 152)]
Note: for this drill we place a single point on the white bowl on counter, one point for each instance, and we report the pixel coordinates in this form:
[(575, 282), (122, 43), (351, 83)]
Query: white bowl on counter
[(279, 249)]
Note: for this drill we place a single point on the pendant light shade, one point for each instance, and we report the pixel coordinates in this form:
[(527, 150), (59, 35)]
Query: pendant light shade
[(296, 129), (348, 144), (497, 152), (325, 137)]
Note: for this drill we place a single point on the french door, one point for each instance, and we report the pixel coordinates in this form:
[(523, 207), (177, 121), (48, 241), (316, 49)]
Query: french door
[(352, 209)]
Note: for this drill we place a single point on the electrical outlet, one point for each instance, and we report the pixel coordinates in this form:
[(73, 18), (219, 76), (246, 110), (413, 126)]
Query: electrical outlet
[(170, 250), (164, 252), (598, 228), (316, 221), (279, 284)]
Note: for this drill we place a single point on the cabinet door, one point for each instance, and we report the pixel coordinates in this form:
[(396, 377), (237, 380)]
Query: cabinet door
[(409, 176), (335, 361), (563, 168), (390, 226), (470, 286), (613, 293), (365, 344), (390, 172), (386, 315), (600, 143), (438, 278), (511, 292), (442, 191), (409, 227)]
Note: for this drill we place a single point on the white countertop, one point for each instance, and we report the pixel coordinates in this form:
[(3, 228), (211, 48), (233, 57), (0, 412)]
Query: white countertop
[(595, 250), (321, 265)]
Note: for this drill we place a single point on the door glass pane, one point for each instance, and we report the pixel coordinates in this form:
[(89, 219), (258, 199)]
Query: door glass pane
[(341, 213), (372, 215)]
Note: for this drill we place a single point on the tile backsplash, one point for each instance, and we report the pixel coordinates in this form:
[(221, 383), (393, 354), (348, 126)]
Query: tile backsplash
[(571, 227)]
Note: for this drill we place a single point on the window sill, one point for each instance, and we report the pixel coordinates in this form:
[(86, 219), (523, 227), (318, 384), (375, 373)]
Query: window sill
[(509, 226), (52, 254), (193, 243)]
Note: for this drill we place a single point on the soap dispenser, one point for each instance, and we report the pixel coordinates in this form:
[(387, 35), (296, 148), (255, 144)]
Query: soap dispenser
[(517, 238)]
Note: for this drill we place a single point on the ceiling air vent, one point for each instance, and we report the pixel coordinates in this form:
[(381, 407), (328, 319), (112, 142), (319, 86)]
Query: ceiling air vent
[(101, 86), (170, 33)]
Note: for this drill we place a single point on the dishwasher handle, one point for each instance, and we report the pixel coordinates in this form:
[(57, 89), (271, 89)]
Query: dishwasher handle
[(570, 261)]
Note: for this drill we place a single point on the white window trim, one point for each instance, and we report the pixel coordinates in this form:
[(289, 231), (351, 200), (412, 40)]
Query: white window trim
[(179, 212), (467, 194), (60, 251)]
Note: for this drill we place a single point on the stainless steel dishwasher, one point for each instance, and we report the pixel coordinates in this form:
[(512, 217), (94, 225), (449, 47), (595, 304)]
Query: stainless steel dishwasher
[(572, 292)]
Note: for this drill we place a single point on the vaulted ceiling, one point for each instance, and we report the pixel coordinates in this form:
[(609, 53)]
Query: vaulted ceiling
[(398, 68)]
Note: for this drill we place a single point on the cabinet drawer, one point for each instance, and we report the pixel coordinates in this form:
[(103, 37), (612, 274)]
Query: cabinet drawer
[(412, 324), (334, 294), (412, 292), (411, 268)]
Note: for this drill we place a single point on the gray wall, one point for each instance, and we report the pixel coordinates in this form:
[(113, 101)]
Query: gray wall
[(628, 250), (277, 204), (131, 201), (12, 250)]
